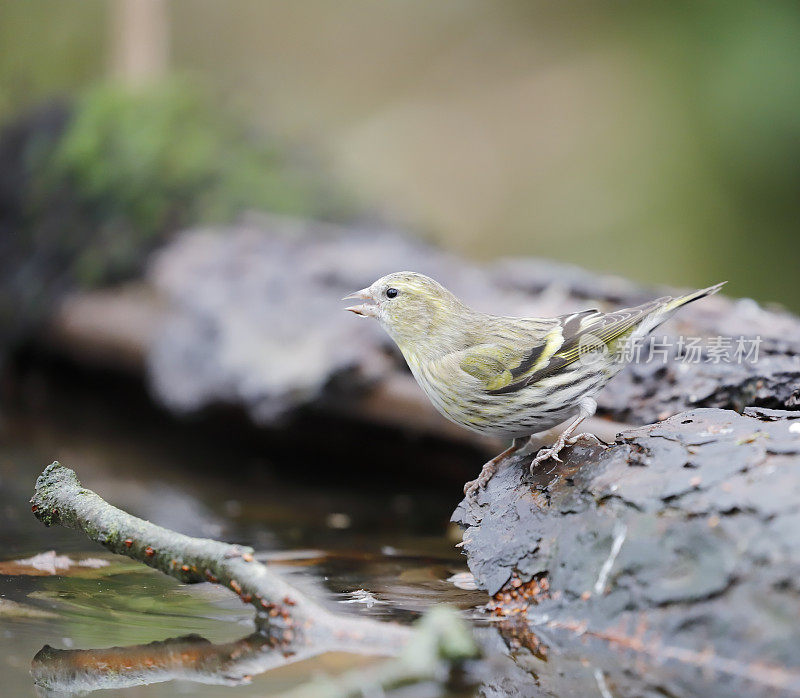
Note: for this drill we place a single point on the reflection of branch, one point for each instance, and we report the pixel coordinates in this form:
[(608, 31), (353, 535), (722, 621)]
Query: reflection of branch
[(285, 613), (439, 641), (439, 638), (294, 626), (188, 658)]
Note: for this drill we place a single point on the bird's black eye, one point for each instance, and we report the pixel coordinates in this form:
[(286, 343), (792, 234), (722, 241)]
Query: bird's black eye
[(391, 292)]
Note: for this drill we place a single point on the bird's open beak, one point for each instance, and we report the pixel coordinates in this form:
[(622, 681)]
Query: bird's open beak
[(368, 309)]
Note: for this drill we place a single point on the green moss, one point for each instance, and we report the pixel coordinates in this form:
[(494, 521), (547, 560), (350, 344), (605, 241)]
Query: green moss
[(131, 167)]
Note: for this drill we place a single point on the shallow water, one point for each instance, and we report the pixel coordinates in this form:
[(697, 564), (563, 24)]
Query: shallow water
[(365, 549)]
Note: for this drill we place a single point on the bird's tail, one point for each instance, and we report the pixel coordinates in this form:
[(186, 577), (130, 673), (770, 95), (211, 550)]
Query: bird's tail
[(652, 314), (675, 303)]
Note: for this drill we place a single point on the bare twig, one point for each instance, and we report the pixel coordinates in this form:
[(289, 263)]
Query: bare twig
[(283, 610), (294, 626)]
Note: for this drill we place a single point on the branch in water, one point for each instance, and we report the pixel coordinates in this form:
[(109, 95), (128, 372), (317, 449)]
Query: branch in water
[(283, 610), (296, 626), (438, 640)]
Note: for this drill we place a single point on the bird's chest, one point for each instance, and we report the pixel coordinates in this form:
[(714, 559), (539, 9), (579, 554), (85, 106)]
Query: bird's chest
[(450, 391)]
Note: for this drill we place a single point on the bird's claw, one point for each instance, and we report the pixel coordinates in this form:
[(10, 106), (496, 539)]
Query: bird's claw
[(546, 454), (585, 436), (471, 489), (552, 452)]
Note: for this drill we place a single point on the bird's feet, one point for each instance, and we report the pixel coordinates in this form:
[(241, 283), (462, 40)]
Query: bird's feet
[(472, 487), (552, 452), (546, 454), (490, 468), (584, 436)]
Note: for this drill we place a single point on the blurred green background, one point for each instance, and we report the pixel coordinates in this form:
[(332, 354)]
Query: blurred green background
[(656, 140)]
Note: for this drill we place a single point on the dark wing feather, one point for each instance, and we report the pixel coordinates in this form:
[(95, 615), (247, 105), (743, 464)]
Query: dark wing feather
[(576, 328)]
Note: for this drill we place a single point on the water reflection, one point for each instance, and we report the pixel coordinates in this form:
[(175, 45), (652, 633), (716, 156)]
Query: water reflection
[(114, 625), (359, 546), (188, 658)]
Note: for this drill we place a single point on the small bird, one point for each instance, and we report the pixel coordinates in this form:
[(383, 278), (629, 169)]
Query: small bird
[(510, 377)]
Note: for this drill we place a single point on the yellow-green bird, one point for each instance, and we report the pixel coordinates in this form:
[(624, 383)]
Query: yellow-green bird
[(508, 376)]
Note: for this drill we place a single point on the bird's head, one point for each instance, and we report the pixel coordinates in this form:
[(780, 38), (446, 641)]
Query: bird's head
[(418, 313)]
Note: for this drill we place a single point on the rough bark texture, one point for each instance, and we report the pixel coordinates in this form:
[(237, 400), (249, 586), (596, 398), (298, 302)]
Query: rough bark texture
[(676, 548)]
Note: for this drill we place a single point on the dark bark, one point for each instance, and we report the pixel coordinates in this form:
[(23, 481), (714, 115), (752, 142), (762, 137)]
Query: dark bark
[(675, 548)]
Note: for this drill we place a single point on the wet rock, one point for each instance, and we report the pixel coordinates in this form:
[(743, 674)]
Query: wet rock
[(675, 548), (255, 320)]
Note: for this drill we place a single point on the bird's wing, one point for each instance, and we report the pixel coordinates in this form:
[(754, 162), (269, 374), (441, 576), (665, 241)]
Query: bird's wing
[(489, 363), (520, 347), (528, 350), (573, 334), (524, 354)]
